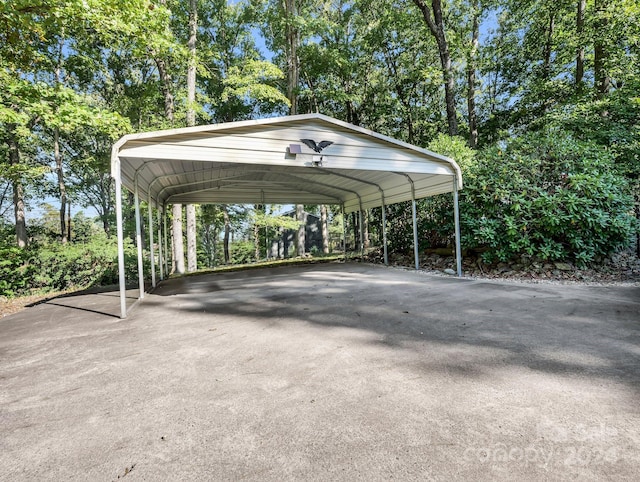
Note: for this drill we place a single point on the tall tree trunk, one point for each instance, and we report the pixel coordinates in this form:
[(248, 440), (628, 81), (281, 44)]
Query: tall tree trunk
[(191, 70), (69, 222), (325, 229), (291, 51), (435, 21), (18, 192), (356, 231), (227, 231), (58, 156), (600, 54), (548, 48), (302, 225), (105, 203), (256, 235), (178, 243), (192, 256), (169, 106), (471, 78), (165, 87), (19, 210), (582, 5), (256, 242), (293, 79), (366, 242), (61, 185)]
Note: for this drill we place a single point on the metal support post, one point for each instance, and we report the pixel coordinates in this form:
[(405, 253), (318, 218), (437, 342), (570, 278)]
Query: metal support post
[(160, 251), (456, 216), (344, 232), (139, 241), (415, 221), (384, 229), (361, 230), (166, 236), (152, 253), (120, 231)]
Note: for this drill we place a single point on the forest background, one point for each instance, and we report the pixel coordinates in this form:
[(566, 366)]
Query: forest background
[(537, 100)]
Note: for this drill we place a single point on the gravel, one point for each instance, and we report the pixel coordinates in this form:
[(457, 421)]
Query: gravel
[(622, 269)]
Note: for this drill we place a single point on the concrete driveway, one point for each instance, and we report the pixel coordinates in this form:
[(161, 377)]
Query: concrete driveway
[(325, 372)]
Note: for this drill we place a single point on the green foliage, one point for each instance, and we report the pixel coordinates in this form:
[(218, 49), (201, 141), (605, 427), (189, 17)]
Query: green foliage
[(242, 252), (545, 195), (548, 196), (435, 214), (263, 220), (254, 79), (15, 271), (456, 148), (44, 268)]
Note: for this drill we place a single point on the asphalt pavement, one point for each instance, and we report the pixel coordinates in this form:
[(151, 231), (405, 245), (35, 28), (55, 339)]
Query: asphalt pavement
[(325, 372)]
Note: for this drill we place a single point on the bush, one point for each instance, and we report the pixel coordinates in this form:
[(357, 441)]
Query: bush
[(15, 271), (546, 195), (57, 267), (435, 214), (242, 252)]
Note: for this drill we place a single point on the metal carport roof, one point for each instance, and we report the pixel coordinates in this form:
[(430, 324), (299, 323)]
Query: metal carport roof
[(269, 161)]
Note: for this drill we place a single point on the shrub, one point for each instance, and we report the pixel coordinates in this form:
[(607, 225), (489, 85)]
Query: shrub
[(57, 267), (545, 194), (435, 214), (15, 271), (549, 196), (242, 252)]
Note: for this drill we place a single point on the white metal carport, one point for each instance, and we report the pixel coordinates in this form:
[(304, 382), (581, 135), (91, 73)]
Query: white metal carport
[(270, 161)]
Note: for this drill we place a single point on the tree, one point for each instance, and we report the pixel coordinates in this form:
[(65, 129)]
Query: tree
[(227, 232), (580, 12), (293, 79), (471, 74), (210, 222), (301, 219), (325, 229), (434, 18), (600, 50), (192, 263), (192, 258)]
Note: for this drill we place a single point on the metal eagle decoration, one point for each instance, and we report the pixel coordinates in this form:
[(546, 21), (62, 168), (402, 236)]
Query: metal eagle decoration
[(316, 147)]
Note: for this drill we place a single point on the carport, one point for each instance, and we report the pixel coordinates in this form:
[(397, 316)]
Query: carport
[(302, 159)]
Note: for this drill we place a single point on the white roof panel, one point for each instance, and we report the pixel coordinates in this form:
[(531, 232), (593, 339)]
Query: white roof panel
[(252, 162)]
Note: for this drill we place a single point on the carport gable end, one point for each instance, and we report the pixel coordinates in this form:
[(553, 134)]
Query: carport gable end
[(199, 164), (252, 162)]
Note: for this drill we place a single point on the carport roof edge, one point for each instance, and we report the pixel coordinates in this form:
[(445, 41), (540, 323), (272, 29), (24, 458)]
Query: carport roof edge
[(249, 162)]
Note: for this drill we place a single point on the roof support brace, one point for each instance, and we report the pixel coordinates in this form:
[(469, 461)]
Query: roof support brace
[(119, 229), (456, 216), (139, 240)]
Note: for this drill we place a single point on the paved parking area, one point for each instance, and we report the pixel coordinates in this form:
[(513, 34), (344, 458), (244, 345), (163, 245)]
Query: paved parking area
[(325, 372)]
